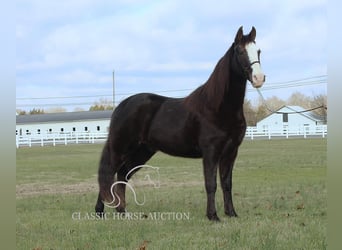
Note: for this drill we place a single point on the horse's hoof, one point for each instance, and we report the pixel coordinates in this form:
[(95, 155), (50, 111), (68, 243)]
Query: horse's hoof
[(99, 210), (100, 214), (121, 210), (231, 214), (213, 217)]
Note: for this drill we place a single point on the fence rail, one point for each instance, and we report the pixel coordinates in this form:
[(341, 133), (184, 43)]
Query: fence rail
[(66, 138), (60, 139), (303, 131)]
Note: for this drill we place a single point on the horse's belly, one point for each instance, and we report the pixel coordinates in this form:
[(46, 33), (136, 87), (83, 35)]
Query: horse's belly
[(180, 150), (174, 144), (175, 139)]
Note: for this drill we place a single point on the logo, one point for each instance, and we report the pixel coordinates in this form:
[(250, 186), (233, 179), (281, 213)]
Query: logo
[(149, 176), (152, 177)]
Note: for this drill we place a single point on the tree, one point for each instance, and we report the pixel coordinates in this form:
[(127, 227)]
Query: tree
[(35, 111), (274, 103), (102, 104), (299, 99), (249, 112), (261, 112), (320, 101), (21, 112)]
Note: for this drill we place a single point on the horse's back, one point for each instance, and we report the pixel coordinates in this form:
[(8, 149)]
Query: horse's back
[(136, 106), (131, 119)]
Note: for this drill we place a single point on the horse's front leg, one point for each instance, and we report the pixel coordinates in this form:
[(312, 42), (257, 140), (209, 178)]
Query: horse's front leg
[(210, 173), (226, 169)]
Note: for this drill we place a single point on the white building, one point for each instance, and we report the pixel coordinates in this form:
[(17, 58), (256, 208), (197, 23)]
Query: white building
[(85, 121), (288, 120)]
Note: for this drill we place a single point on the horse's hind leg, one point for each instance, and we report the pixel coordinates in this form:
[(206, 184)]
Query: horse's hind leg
[(99, 207), (137, 158), (119, 192)]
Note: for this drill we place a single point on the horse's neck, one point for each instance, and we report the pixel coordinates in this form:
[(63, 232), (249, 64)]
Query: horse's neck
[(234, 84), (235, 93), (223, 90)]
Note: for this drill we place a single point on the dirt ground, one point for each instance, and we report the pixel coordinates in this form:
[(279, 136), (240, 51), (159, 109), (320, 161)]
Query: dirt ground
[(35, 189), (91, 185)]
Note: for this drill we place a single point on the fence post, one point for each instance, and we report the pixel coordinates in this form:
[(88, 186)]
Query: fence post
[(17, 141), (41, 141), (65, 140), (269, 134), (304, 132)]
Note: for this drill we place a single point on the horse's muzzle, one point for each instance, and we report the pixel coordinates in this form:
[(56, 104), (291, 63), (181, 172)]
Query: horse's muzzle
[(258, 80)]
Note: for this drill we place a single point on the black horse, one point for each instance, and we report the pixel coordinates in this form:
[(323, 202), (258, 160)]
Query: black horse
[(208, 124)]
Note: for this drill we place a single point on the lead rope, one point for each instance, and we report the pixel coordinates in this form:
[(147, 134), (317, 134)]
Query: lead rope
[(277, 112)]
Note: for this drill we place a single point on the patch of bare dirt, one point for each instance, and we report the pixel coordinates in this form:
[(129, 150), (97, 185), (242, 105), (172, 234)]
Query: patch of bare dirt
[(36, 189)]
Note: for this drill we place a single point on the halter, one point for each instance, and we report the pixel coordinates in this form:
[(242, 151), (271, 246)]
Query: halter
[(245, 68), (250, 65)]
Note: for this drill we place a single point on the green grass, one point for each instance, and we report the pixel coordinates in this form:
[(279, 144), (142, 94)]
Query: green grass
[(279, 189)]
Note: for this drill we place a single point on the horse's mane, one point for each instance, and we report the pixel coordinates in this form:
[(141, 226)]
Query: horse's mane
[(210, 95)]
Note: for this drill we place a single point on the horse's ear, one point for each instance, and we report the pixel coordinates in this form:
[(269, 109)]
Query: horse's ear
[(239, 35), (252, 34)]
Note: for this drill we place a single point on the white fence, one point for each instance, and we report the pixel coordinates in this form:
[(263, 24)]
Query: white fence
[(252, 133), (304, 131), (60, 139)]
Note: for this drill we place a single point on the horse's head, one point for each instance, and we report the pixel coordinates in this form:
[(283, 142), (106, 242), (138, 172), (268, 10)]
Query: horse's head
[(247, 56)]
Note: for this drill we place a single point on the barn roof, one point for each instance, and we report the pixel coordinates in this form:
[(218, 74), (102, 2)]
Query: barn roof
[(64, 117)]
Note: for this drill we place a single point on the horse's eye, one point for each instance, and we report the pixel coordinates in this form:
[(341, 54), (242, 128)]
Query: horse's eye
[(239, 50)]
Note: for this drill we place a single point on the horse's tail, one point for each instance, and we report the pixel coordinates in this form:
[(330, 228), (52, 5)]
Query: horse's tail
[(106, 173)]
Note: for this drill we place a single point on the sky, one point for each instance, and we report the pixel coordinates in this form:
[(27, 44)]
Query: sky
[(67, 50)]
